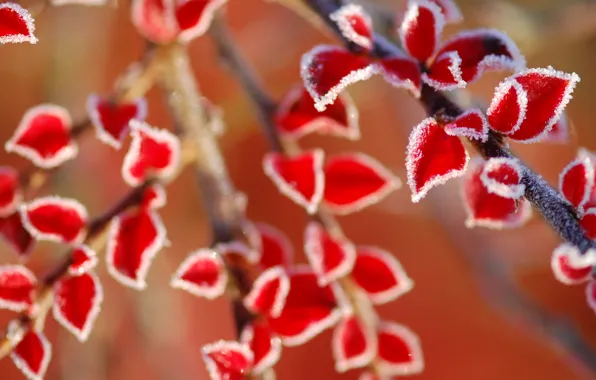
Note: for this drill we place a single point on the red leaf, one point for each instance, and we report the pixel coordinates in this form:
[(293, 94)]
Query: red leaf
[(548, 92), (269, 292), (399, 351), (55, 218), (300, 178), (194, 17), (155, 20), (588, 222), (77, 303), (380, 275), (471, 124), (134, 238), (433, 157), (275, 247), (502, 176), (154, 197), (421, 29), (490, 210), (445, 73), (17, 285), (564, 265), (508, 107), (353, 345), (153, 153), (264, 344), (576, 182), (16, 24), (10, 192), (14, 233), (32, 355), (327, 70), (83, 260), (355, 181), (309, 309), (111, 119), (402, 72), (43, 136), (354, 24), (591, 295), (482, 50), (330, 257), (450, 11), (202, 274), (296, 116), (227, 360)]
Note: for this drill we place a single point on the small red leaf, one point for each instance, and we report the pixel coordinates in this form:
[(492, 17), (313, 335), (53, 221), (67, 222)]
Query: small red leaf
[(32, 355), (269, 292), (155, 20), (194, 17), (331, 257), (576, 182), (380, 275), (134, 238), (353, 345), (55, 218), (399, 351), (309, 309), (355, 25), (264, 344), (402, 72), (275, 247), (564, 265), (14, 233), (508, 107), (327, 70), (17, 285), (153, 153), (227, 360), (471, 124), (202, 274), (502, 176), (548, 92), (421, 29), (296, 116), (83, 260), (111, 119), (588, 222), (487, 209), (154, 197), (10, 192), (77, 303), (433, 157), (16, 24), (355, 181), (300, 178), (445, 73), (482, 50), (43, 136)]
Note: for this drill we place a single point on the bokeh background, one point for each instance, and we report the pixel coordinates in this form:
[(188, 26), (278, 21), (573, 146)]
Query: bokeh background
[(483, 302)]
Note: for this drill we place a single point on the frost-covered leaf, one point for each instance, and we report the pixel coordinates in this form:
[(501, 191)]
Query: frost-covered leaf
[(10, 190), (331, 257), (77, 303), (300, 178), (327, 70), (355, 181), (17, 286), (83, 260), (55, 218), (14, 233), (471, 124), (297, 116), (202, 273), (43, 136), (446, 74), (111, 119), (269, 292), (399, 351), (508, 107), (576, 182), (194, 17), (502, 176), (227, 360), (265, 345), (16, 24), (380, 275), (355, 25), (32, 355), (565, 267), (154, 197), (134, 238), (274, 246), (421, 29), (354, 346), (588, 222), (402, 72), (433, 157)]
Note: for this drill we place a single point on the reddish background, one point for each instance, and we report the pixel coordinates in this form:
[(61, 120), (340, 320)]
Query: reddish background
[(157, 334)]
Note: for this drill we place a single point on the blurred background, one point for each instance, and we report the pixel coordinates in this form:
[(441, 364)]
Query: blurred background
[(484, 301)]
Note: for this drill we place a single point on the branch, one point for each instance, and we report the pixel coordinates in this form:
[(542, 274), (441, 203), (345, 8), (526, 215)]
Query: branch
[(544, 198)]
